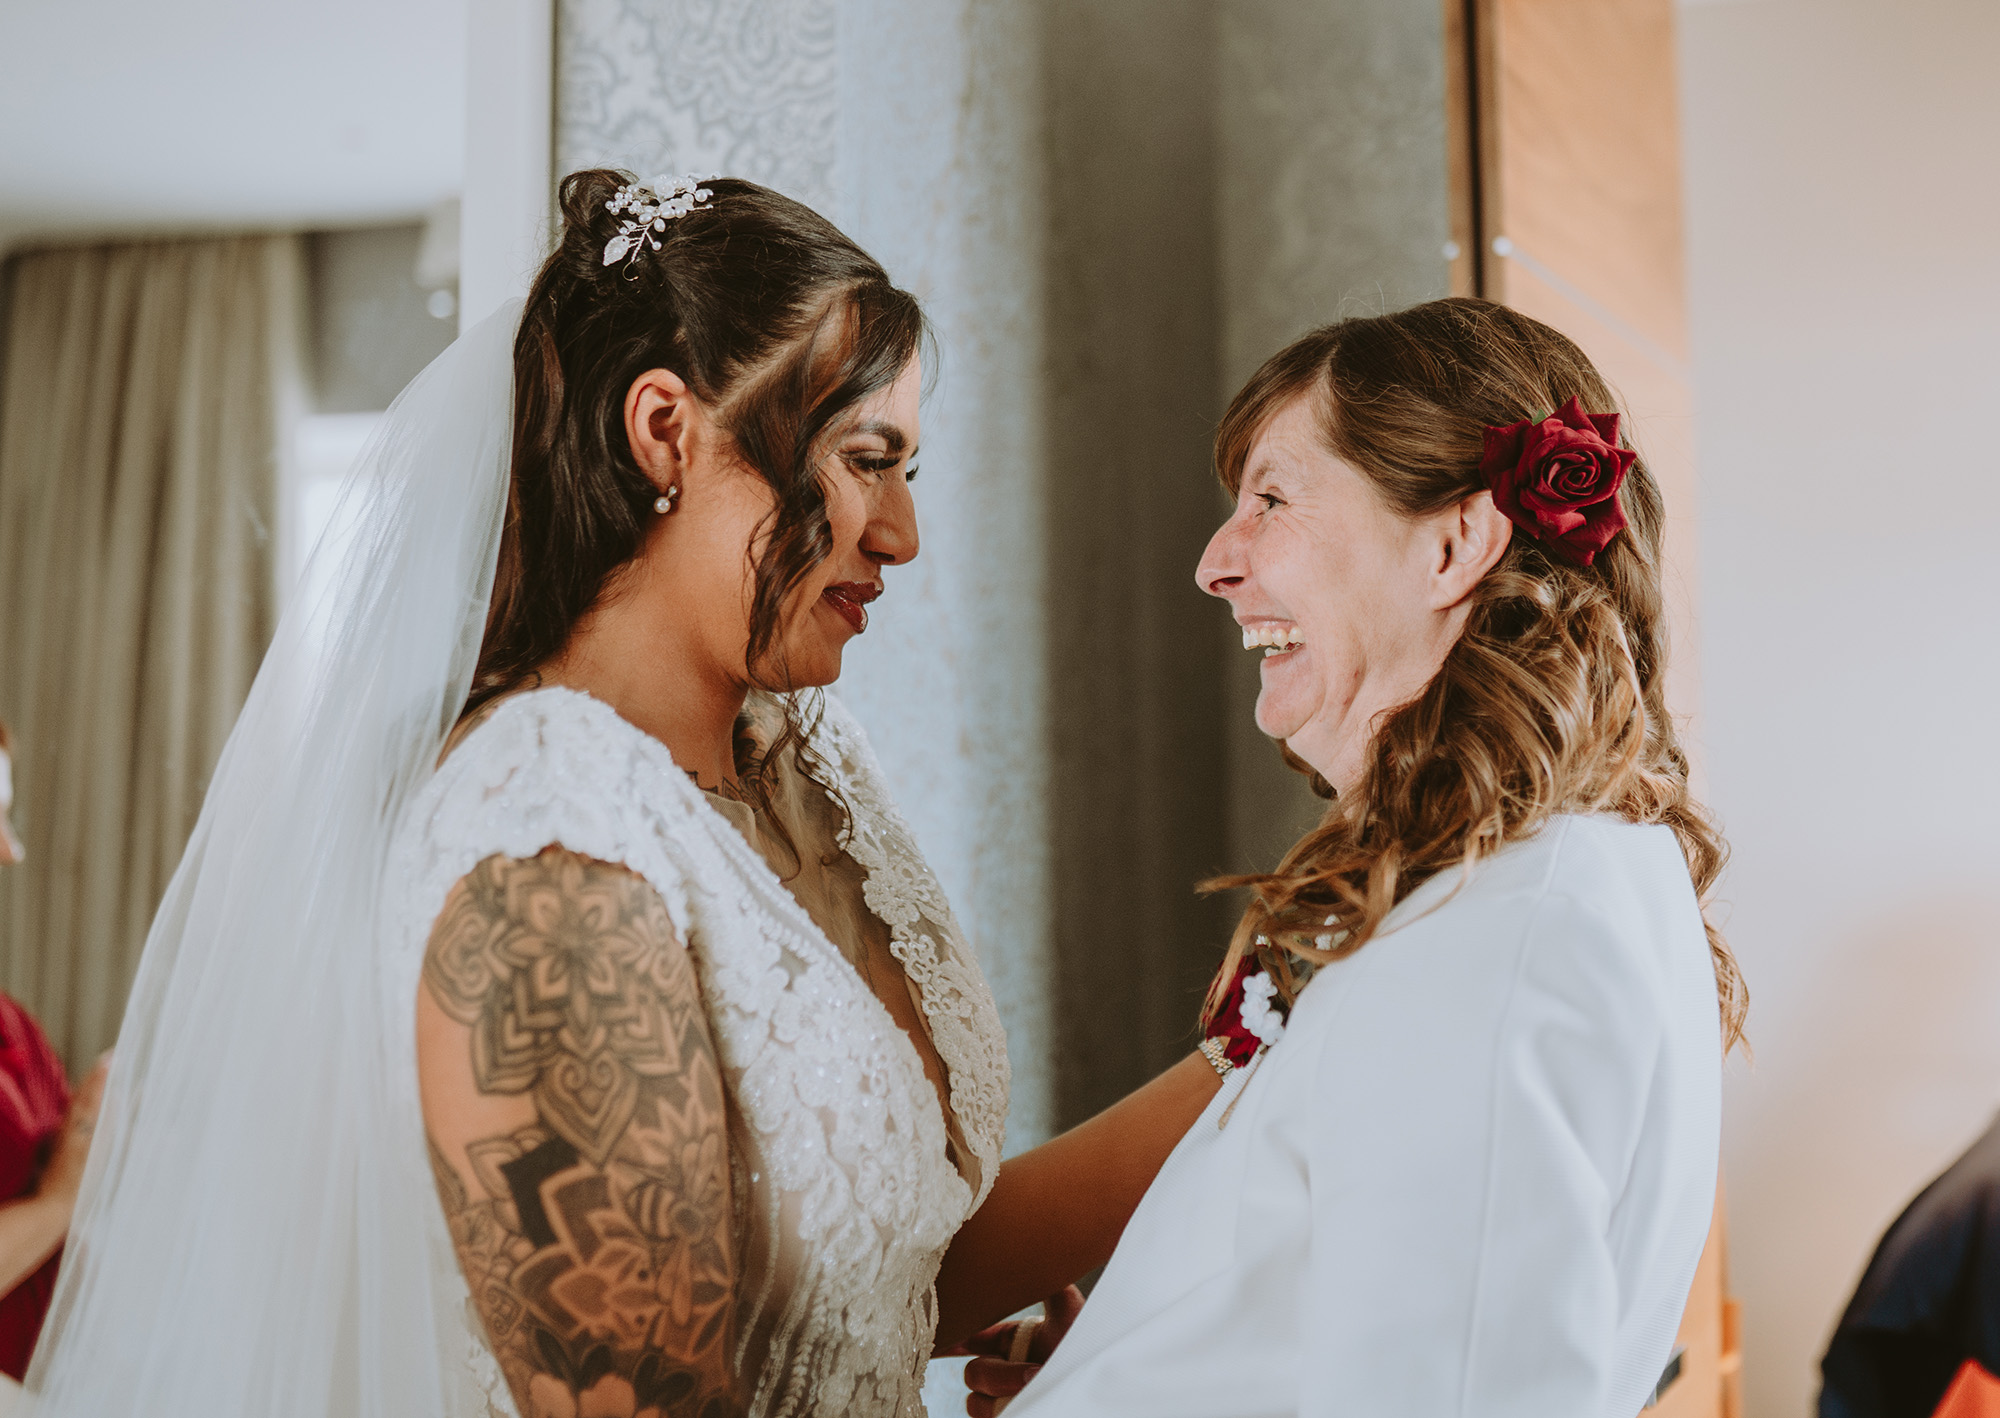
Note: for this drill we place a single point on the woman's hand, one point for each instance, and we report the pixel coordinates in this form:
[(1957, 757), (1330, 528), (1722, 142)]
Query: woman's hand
[(1056, 1211), (33, 1226), (63, 1175), (999, 1371)]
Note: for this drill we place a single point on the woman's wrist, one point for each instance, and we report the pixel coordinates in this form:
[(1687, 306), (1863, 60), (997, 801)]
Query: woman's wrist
[(59, 1190)]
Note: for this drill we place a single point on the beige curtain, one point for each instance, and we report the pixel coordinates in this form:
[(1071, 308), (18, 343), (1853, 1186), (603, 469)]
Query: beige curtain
[(140, 408)]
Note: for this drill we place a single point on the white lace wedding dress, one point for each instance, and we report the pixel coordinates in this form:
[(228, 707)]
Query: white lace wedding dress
[(846, 1191)]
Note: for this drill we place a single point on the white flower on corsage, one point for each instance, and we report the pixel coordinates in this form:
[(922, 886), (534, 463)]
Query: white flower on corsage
[(1258, 1023), (1249, 1018), (1260, 1016), (651, 205)]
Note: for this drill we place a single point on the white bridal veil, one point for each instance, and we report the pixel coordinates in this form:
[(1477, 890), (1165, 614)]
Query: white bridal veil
[(250, 1242)]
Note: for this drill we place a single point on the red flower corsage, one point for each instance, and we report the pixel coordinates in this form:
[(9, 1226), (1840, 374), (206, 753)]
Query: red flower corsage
[(1250, 1017), (1557, 478)]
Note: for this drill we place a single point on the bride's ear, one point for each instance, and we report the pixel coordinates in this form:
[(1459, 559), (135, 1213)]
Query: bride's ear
[(1471, 535), (663, 423)]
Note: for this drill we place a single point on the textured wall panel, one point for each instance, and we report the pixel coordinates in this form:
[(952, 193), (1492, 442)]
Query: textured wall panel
[(743, 87), (915, 124), (1333, 200)]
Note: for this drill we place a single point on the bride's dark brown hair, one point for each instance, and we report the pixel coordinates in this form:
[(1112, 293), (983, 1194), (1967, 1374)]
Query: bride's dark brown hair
[(779, 324), (1552, 700)]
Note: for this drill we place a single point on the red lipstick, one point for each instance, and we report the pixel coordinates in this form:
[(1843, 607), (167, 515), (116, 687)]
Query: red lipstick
[(851, 599)]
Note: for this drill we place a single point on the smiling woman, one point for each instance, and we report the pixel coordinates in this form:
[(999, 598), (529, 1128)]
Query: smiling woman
[(1329, 581), (1479, 1148), (1462, 671)]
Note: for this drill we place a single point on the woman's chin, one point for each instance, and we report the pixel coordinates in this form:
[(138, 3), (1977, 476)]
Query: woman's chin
[(823, 665), (1284, 705), (1275, 718), (814, 676), (802, 668)]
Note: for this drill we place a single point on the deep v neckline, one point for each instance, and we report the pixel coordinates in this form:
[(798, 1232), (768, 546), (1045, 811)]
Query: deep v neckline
[(957, 1156), (838, 906)]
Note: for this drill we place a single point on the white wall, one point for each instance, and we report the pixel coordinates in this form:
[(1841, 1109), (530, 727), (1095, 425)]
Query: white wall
[(1842, 158), (505, 211)]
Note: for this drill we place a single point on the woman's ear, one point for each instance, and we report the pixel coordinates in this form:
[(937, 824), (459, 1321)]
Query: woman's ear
[(1471, 535), (663, 423)]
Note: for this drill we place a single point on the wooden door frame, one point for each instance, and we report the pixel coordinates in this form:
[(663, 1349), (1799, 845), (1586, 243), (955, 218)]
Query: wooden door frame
[(1472, 134)]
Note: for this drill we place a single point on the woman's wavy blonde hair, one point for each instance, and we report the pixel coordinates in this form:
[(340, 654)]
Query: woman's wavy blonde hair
[(1552, 701)]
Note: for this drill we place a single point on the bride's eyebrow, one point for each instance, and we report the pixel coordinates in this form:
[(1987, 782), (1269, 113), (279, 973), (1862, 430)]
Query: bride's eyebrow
[(889, 433)]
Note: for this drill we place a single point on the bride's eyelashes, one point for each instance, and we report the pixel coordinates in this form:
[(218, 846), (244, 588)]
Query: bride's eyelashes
[(879, 464)]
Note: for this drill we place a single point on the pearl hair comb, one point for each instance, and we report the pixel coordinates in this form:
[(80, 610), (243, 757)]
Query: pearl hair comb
[(650, 206)]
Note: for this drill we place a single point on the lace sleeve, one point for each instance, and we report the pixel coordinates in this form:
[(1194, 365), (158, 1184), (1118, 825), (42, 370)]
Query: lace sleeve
[(525, 781)]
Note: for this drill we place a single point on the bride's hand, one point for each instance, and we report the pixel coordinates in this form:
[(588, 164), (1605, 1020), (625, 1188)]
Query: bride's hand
[(999, 1372)]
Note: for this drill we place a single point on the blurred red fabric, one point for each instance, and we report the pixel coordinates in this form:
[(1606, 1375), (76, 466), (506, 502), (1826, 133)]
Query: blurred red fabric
[(34, 1100), (1974, 1393)]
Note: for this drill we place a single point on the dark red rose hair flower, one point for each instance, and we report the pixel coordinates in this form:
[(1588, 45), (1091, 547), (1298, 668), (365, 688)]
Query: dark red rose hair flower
[(1557, 478)]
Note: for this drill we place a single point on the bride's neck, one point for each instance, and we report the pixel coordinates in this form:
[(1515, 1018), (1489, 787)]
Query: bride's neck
[(655, 678)]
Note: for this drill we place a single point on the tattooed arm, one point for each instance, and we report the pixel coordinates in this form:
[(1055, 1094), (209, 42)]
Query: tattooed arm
[(575, 1111)]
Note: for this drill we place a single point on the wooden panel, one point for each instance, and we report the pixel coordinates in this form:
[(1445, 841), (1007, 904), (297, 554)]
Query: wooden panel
[(1710, 1358), (1660, 402), (1462, 110), (1588, 144), (1732, 1349), (1574, 115)]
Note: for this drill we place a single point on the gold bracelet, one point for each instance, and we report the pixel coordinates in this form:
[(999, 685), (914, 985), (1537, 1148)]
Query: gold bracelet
[(1217, 1054)]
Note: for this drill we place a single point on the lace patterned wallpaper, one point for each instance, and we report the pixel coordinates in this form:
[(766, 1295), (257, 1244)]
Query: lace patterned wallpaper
[(743, 87), (937, 175)]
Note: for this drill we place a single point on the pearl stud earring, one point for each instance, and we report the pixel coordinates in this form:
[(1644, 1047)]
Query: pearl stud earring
[(664, 503)]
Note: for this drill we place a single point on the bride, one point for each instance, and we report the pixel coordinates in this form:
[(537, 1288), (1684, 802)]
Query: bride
[(686, 963), (537, 852)]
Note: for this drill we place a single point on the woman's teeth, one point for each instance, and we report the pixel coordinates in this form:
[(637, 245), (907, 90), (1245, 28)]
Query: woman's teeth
[(1273, 639)]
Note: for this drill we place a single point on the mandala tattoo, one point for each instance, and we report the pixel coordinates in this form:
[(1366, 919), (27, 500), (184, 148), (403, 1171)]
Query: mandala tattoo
[(596, 1242)]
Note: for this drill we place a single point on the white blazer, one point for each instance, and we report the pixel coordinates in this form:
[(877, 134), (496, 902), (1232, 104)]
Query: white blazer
[(1472, 1179)]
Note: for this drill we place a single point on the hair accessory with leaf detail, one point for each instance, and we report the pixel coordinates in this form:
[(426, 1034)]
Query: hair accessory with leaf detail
[(651, 205)]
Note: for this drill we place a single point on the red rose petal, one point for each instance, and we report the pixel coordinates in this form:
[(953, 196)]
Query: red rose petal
[(1239, 1045)]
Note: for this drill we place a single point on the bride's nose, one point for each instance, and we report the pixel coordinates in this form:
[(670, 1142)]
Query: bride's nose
[(890, 537)]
